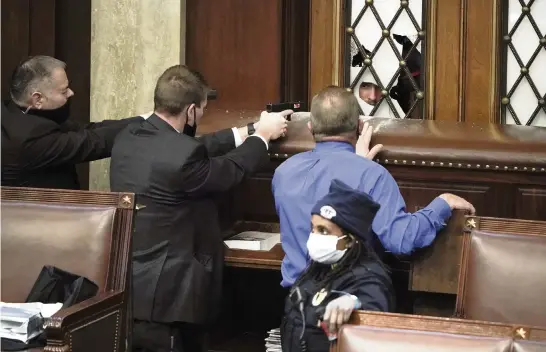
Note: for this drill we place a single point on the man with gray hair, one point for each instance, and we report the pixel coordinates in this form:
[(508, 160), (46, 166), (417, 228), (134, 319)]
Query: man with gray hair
[(40, 146), (342, 153)]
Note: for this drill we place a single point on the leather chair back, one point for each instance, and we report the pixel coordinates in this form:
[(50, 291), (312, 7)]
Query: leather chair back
[(71, 237), (502, 276), (355, 338), (84, 233), (387, 332)]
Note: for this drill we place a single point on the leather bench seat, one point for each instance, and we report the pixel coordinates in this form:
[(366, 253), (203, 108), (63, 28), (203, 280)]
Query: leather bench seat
[(360, 338), (389, 332)]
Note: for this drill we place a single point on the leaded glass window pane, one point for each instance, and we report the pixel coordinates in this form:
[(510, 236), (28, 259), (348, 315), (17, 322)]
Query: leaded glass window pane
[(384, 58), (524, 68)]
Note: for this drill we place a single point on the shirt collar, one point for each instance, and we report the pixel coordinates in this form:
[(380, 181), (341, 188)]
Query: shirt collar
[(334, 146)]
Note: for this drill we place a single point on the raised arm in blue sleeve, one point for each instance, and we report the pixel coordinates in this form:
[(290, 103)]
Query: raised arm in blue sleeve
[(401, 232)]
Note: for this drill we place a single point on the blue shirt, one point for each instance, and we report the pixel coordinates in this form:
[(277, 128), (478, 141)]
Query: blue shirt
[(303, 179)]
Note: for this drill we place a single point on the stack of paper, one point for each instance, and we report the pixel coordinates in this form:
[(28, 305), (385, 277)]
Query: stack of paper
[(273, 341), (253, 240), (24, 321)]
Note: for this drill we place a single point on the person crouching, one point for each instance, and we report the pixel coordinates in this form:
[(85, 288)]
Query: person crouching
[(344, 273)]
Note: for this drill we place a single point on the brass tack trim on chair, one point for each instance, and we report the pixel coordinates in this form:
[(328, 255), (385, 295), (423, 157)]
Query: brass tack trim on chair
[(63, 348), (468, 166), (52, 322), (126, 200), (521, 333), (441, 164), (116, 336), (471, 223)]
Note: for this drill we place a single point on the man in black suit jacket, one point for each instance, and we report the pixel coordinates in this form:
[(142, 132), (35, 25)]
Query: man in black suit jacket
[(177, 246), (40, 146)]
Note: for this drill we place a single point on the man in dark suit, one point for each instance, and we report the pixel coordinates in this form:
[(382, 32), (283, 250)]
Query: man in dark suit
[(177, 250), (40, 146)]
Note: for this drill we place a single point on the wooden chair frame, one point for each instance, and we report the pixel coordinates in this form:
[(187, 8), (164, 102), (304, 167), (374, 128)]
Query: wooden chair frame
[(111, 306)]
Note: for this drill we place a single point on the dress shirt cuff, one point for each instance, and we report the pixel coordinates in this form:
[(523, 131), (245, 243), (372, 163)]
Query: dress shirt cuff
[(237, 137), (440, 207), (262, 138)]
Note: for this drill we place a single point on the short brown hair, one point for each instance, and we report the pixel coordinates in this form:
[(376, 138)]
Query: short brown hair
[(334, 112), (178, 87)]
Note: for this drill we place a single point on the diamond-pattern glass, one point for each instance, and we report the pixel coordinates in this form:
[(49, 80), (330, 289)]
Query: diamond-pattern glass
[(384, 56), (524, 71)]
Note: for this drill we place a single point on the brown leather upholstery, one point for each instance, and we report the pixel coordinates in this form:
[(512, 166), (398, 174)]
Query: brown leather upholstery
[(439, 143), (75, 237), (384, 332), (529, 346), (363, 339), (85, 233), (502, 275)]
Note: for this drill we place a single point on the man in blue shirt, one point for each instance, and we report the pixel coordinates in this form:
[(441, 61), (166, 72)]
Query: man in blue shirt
[(303, 179)]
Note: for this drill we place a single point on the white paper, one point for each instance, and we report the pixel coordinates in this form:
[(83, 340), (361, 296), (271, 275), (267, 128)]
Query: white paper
[(15, 319)]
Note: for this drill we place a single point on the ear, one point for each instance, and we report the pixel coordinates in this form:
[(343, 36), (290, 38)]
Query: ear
[(191, 112), (36, 100), (309, 126), (360, 126), (352, 241)]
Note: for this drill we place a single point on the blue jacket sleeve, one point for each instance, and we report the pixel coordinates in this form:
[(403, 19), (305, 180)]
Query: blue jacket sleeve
[(401, 232)]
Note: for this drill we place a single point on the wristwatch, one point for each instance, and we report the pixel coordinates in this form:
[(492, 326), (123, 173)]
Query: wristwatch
[(358, 304), (250, 128)]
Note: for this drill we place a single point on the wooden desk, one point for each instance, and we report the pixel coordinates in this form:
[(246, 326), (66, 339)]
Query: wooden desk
[(255, 259)]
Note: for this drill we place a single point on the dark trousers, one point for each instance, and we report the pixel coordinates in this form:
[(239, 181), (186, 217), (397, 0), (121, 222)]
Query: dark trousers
[(163, 337)]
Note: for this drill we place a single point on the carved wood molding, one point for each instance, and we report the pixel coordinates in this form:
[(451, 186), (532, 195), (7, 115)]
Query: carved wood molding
[(482, 32), (444, 57), (326, 44)]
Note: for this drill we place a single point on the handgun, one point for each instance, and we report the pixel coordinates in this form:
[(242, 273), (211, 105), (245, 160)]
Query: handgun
[(295, 106)]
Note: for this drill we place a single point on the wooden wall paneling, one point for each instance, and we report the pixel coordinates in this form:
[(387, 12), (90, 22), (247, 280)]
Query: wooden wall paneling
[(15, 38), (530, 203), (295, 50), (436, 268), (419, 194), (481, 86), (257, 204), (73, 46), (42, 27), (236, 45), (444, 96), (326, 44), (28, 28)]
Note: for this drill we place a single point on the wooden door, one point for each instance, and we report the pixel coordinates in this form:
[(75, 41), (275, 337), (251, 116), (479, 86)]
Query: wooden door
[(253, 52), (458, 60)]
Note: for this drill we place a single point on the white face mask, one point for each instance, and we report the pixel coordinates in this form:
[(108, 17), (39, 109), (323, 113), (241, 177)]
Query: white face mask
[(323, 248)]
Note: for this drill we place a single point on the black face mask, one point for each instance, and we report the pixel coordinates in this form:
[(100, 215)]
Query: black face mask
[(188, 129), (59, 115)]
